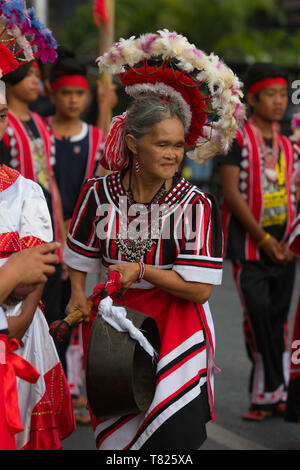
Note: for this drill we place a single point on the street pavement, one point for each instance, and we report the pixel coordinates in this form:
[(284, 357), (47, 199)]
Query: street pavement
[(229, 431)]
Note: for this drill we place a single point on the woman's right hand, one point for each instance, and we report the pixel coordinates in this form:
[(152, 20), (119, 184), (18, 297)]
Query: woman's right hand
[(79, 302)]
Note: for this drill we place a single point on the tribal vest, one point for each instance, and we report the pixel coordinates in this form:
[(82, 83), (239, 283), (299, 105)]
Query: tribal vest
[(17, 142), (239, 244)]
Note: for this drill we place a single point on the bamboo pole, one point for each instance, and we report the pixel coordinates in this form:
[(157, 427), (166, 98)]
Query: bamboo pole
[(106, 34), (106, 39)]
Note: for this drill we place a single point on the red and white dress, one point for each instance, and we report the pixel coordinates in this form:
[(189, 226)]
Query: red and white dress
[(11, 366), (7, 432), (45, 407), (293, 399), (190, 243)]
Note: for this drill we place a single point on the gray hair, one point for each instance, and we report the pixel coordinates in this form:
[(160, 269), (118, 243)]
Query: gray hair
[(147, 111)]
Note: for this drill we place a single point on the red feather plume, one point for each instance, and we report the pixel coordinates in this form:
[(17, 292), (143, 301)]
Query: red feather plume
[(100, 12)]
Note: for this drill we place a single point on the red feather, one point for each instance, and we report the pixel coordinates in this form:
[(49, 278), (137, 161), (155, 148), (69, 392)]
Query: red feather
[(100, 12), (8, 60), (179, 82)]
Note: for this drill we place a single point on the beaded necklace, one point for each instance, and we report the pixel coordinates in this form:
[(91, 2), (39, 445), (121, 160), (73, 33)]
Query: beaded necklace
[(270, 159), (134, 247)]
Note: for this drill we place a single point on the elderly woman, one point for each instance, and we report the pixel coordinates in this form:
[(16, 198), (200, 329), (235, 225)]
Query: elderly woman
[(159, 232), (180, 263)]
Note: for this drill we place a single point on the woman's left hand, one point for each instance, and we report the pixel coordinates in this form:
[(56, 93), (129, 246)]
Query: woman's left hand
[(129, 273)]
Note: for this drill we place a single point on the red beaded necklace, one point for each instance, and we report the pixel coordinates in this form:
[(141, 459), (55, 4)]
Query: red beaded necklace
[(270, 160)]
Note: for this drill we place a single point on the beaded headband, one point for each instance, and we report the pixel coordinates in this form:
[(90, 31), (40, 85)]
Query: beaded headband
[(166, 65)]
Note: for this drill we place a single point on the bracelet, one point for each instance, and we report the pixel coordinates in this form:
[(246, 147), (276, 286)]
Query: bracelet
[(264, 240), (142, 271)]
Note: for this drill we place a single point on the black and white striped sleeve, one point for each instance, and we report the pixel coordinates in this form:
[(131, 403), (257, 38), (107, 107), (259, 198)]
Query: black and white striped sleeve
[(200, 256), (82, 250)]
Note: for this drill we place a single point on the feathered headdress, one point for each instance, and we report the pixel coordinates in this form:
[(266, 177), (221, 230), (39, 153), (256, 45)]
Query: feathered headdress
[(165, 64), (22, 38)]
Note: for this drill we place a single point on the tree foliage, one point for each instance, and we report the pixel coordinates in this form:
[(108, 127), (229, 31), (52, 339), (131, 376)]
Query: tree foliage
[(244, 31)]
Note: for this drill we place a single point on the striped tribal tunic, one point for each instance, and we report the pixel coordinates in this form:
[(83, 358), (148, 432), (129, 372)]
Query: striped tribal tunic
[(189, 242), (239, 244)]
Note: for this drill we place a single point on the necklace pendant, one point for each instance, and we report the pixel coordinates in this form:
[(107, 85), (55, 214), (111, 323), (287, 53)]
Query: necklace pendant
[(271, 175)]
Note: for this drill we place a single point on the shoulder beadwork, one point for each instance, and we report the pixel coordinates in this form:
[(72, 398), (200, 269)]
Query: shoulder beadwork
[(8, 176)]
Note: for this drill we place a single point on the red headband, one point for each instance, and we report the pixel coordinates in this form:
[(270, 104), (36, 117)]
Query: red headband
[(258, 86), (70, 80)]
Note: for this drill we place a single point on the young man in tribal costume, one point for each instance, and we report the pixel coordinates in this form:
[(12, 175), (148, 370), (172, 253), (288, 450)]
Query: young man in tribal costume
[(77, 144), (259, 206), (167, 274)]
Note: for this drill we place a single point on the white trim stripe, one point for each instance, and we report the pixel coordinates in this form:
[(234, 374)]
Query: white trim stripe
[(197, 337), (80, 262), (82, 209), (122, 436), (199, 274), (200, 257), (168, 412), (81, 245), (172, 382)]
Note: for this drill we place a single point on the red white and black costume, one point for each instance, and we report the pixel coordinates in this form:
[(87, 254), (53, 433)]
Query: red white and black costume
[(184, 372), (238, 242), (7, 433), (81, 153), (18, 143), (30, 148), (265, 288), (293, 399), (188, 236), (45, 407), (11, 367)]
